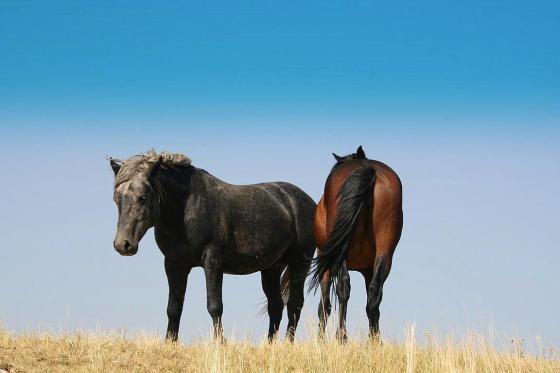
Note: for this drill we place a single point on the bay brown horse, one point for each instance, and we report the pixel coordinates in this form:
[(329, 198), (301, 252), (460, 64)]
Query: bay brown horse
[(357, 226)]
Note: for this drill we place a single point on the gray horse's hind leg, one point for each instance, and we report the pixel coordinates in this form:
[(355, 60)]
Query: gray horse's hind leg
[(298, 268), (295, 301), (270, 279), (214, 279)]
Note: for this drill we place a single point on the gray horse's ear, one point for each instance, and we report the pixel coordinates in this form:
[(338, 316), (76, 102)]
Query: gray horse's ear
[(337, 157), (360, 153), (115, 165)]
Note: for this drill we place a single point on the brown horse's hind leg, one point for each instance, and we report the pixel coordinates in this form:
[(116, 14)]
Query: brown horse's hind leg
[(375, 293), (324, 310), (368, 274), (343, 294)]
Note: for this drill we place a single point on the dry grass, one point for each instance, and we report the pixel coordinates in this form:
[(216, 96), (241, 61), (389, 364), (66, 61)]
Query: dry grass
[(114, 353)]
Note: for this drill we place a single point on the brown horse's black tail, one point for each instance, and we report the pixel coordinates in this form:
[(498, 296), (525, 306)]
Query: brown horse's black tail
[(355, 195)]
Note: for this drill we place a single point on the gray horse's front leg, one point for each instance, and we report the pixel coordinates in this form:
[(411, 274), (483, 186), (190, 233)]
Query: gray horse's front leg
[(177, 276), (214, 278)]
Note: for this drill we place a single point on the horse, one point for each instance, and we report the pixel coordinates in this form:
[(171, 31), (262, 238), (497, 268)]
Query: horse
[(202, 221), (357, 226)]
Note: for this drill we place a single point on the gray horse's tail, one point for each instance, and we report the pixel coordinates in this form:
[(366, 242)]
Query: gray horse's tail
[(355, 195), (284, 288)]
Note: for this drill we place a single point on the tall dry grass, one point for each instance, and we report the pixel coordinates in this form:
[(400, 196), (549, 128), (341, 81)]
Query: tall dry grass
[(113, 352)]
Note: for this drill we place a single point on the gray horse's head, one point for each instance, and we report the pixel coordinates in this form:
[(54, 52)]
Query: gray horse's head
[(138, 194), (137, 200)]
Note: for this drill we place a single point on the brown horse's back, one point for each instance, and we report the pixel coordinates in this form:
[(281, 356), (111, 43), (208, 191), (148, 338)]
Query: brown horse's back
[(376, 232)]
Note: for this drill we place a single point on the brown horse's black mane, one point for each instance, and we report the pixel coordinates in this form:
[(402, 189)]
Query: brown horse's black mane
[(342, 161)]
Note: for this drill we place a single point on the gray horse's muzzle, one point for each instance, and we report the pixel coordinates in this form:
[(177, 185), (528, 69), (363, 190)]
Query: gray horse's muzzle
[(125, 247)]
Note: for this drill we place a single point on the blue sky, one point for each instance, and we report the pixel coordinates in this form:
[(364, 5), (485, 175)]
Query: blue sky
[(461, 99)]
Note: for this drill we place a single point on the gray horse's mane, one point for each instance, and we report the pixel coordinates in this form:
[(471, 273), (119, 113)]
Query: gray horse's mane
[(143, 162)]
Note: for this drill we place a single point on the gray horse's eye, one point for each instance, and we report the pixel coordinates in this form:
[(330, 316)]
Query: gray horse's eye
[(142, 198)]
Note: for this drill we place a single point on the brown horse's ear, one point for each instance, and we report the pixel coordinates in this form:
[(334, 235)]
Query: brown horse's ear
[(115, 165), (337, 157), (360, 153), (155, 167)]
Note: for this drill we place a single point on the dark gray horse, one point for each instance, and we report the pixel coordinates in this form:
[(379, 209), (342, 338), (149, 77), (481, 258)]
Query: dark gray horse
[(201, 221)]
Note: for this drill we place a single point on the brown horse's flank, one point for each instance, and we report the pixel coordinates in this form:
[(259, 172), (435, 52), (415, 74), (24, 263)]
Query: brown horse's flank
[(357, 226)]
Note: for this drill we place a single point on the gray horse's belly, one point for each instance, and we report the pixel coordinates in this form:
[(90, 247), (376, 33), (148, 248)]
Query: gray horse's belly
[(243, 264), (255, 253), (261, 239)]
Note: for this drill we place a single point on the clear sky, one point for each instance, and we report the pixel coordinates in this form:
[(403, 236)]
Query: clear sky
[(462, 100)]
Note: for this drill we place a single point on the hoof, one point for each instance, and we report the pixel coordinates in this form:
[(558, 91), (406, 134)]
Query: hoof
[(375, 338), (341, 336), (322, 333), (171, 338), (290, 335)]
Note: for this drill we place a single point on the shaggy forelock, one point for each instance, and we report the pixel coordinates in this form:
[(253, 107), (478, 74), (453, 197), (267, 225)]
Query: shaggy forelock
[(142, 162)]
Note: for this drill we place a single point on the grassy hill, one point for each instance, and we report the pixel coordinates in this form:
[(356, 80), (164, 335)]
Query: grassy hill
[(115, 353)]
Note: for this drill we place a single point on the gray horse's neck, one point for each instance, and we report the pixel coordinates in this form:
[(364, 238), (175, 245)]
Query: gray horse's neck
[(183, 186), (176, 187), (204, 183)]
